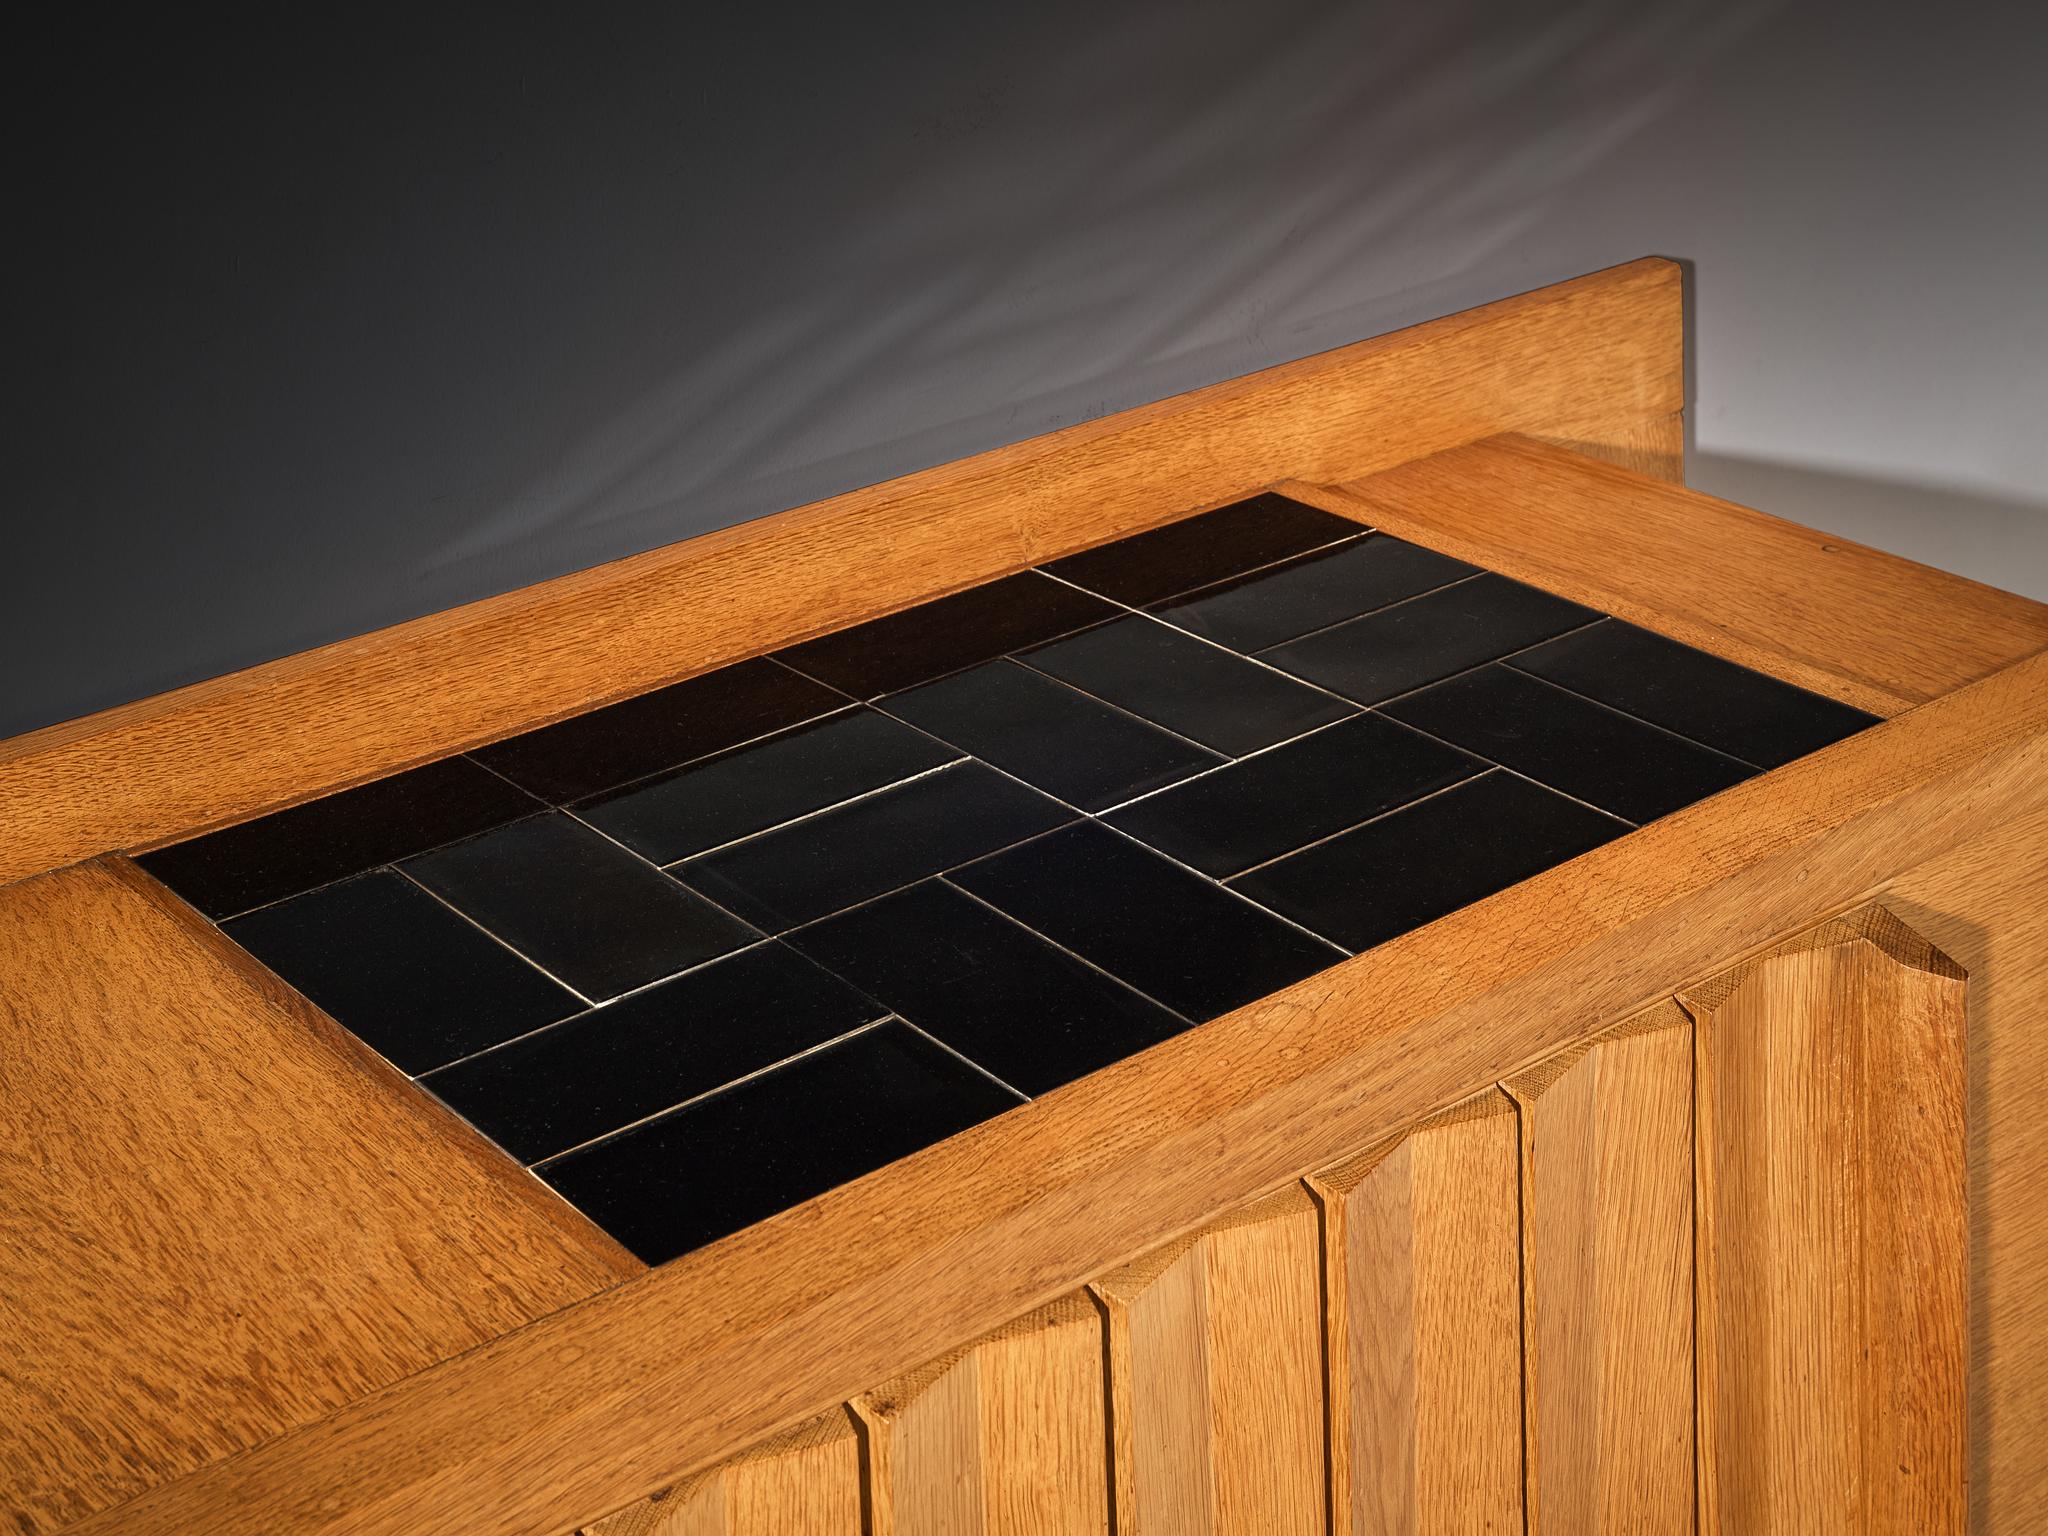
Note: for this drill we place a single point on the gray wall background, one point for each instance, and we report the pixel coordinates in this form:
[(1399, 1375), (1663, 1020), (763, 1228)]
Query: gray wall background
[(318, 329)]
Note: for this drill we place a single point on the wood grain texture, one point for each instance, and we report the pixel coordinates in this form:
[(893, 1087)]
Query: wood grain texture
[(1654, 446), (221, 1217), (1833, 1235), (1422, 1275), (1608, 1244), (803, 1483), (1216, 1379), (1869, 628), (675, 1370), (1587, 360), (1005, 1437)]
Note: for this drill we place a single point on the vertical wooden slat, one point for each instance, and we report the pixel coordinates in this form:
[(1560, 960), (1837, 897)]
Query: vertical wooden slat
[(1216, 1379), (803, 1483), (1425, 1340), (1006, 1437), (1608, 1255), (1833, 1233)]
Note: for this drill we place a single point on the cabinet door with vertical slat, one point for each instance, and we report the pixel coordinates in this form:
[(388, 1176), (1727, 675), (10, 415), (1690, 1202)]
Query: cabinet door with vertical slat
[(803, 1483)]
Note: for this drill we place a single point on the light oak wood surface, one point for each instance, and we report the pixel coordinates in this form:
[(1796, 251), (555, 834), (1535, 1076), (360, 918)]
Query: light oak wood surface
[(222, 1217), (803, 1483)]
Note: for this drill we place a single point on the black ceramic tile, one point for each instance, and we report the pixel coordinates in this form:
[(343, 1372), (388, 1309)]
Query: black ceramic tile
[(841, 857), (401, 971), (1287, 798), (621, 742), (1186, 685), (775, 1140), (1283, 602), (1377, 881), (292, 851), (1082, 750), (557, 1089), (1730, 708), (993, 991), (1176, 937), (1428, 638), (947, 634), (1591, 753), (578, 905), (1199, 550), (763, 784)]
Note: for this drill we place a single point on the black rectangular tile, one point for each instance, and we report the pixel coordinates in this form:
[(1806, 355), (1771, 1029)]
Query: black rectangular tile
[(1731, 709), (1428, 638), (1590, 752), (763, 784), (1289, 797), (1199, 550), (608, 747), (557, 1089), (1186, 685), (1378, 881), (400, 971), (291, 851), (774, 1141), (1174, 936), (904, 649), (578, 905), (1311, 592), (841, 857), (1086, 752), (1031, 1014)]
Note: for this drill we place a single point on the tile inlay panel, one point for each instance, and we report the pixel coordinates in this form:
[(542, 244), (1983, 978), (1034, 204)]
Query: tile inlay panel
[(700, 955)]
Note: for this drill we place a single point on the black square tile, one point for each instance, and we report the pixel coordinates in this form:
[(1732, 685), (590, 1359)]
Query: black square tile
[(1428, 638), (1198, 550), (1729, 708), (774, 1141), (1284, 799), (1378, 881), (1086, 752), (609, 1067), (1191, 688), (841, 857), (904, 649), (1176, 937), (408, 977), (763, 784), (578, 905), (621, 742), (291, 851), (1284, 602), (1590, 752), (993, 991)]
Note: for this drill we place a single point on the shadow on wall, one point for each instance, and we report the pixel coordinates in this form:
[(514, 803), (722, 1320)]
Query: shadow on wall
[(1997, 539)]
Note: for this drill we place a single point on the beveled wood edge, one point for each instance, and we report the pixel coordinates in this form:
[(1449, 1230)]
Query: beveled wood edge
[(1595, 361), (702, 1357)]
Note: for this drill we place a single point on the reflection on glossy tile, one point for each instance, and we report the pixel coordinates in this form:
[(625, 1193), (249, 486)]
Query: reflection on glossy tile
[(995, 992), (1730, 708), (400, 971), (1285, 799), (578, 905), (775, 1140), (1199, 550), (944, 635), (1082, 750), (1428, 638), (1378, 881), (292, 851), (840, 857), (649, 1052), (1591, 753), (1283, 602), (1174, 936), (1194, 689), (763, 784)]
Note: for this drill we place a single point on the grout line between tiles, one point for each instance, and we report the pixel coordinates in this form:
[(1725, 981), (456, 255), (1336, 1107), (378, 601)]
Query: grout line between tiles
[(1477, 666), (1231, 762), (480, 928), (659, 870), (1363, 530), (1537, 677), (1482, 769), (1022, 1098), (1366, 613)]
